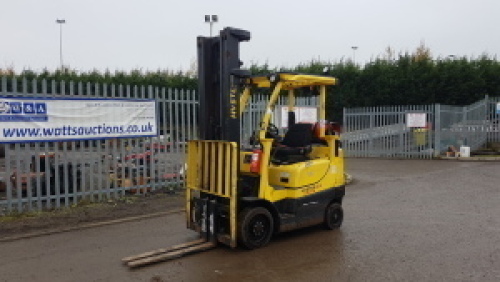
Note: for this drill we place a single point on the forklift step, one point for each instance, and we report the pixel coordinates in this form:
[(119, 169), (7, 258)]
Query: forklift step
[(165, 254)]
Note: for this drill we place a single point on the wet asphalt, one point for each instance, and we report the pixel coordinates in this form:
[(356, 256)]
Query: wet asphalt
[(405, 220)]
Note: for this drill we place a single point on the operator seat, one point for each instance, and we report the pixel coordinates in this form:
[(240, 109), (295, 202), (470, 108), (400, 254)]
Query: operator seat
[(295, 145)]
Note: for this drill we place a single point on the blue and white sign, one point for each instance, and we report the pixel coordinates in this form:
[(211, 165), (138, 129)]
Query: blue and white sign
[(498, 108), (29, 120)]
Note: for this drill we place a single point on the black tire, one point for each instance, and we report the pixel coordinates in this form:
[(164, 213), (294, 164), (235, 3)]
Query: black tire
[(334, 215), (255, 227)]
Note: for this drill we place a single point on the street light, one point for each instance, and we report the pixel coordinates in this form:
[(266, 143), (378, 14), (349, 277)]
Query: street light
[(211, 19), (60, 22), (354, 48)]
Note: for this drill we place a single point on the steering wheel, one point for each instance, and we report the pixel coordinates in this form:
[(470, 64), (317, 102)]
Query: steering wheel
[(272, 131)]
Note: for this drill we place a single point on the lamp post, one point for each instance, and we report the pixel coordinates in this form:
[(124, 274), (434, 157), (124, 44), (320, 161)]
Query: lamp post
[(354, 48), (60, 22), (211, 19)]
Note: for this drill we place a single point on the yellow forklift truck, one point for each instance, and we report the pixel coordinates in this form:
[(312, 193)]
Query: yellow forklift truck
[(239, 194)]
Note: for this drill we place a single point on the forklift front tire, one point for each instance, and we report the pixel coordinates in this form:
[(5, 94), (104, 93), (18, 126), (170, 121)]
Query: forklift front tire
[(334, 215), (255, 227)]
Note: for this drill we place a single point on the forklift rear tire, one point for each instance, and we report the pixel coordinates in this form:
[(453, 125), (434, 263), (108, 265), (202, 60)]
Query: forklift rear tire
[(255, 227), (334, 215)]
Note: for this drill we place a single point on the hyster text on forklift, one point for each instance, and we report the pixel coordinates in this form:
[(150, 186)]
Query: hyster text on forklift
[(241, 195)]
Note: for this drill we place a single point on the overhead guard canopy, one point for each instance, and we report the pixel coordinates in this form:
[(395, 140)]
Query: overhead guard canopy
[(291, 80)]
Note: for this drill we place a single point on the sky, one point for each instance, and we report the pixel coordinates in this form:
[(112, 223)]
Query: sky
[(161, 34)]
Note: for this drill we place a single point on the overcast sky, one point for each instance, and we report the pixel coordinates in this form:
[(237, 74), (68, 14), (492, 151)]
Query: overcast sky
[(161, 34)]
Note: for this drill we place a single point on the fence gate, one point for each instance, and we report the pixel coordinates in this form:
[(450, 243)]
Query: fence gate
[(391, 132), (419, 131)]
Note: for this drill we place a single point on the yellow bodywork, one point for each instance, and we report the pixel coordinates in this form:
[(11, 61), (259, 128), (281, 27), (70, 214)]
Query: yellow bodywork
[(324, 169), (214, 167), (305, 178), (292, 80), (299, 174)]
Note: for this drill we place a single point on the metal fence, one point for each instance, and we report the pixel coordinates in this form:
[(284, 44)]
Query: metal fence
[(45, 175), (493, 119), (384, 131)]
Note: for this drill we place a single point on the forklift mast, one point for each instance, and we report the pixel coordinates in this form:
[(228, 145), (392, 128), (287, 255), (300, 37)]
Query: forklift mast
[(219, 96)]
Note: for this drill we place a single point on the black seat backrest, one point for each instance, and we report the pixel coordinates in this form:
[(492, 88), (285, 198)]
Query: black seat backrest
[(298, 135)]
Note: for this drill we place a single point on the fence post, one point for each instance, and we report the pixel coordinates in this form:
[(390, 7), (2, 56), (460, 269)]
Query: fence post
[(437, 129)]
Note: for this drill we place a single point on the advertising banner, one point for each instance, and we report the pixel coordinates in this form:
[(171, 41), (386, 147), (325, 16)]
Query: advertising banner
[(39, 119)]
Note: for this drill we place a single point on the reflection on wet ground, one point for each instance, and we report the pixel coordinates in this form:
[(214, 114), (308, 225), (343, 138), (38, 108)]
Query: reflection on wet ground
[(404, 221)]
